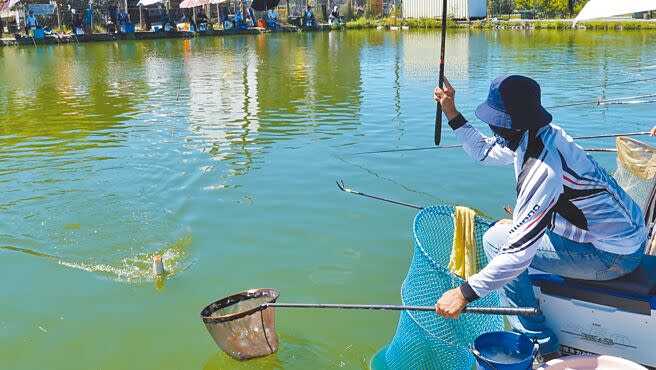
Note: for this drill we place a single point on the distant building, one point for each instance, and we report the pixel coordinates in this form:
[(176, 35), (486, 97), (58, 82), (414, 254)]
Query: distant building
[(458, 9)]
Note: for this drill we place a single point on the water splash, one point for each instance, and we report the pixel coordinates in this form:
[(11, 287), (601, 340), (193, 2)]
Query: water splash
[(137, 268)]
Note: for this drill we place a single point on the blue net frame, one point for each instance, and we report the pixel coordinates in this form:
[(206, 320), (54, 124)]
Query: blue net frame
[(424, 340)]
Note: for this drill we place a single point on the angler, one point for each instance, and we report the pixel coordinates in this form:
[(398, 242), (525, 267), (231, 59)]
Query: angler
[(571, 217)]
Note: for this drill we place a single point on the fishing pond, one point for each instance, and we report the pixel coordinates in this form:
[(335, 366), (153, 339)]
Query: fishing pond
[(221, 154)]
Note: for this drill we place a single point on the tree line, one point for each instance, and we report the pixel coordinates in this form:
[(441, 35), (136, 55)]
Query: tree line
[(542, 8)]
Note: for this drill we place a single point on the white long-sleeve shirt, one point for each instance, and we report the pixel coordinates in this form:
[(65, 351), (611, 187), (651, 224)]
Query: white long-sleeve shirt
[(559, 187)]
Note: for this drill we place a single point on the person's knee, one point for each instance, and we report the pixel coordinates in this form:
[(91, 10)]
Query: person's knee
[(495, 238)]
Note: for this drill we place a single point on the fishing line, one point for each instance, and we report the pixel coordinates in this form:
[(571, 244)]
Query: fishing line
[(180, 75), (392, 181), (177, 95)]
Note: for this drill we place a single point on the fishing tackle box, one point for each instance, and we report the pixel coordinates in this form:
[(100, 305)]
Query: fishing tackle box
[(615, 317)]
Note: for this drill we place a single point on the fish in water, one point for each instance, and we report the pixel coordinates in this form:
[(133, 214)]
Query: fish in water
[(158, 265)]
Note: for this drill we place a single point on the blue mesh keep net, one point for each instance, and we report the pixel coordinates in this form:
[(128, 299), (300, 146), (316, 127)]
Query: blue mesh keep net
[(424, 340)]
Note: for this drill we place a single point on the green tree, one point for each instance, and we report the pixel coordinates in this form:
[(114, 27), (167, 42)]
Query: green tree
[(552, 8), (502, 6), (560, 8), (524, 4)]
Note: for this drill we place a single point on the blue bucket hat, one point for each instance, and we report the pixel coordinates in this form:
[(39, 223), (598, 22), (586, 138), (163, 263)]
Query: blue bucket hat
[(513, 102)]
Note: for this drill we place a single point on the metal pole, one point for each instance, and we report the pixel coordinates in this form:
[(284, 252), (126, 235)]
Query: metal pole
[(514, 311), (58, 18)]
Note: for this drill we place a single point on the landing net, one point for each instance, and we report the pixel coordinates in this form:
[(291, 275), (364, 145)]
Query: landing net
[(636, 170), (636, 166), (424, 340)]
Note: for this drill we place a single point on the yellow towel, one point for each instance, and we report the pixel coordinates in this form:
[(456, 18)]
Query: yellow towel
[(464, 249)]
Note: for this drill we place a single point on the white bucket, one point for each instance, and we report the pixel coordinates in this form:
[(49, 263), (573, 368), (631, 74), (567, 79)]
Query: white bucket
[(591, 362)]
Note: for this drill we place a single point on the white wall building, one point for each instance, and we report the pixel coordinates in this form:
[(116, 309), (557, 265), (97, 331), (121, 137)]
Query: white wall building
[(458, 9)]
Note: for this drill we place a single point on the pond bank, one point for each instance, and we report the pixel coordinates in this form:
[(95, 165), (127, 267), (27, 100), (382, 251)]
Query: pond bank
[(68, 39)]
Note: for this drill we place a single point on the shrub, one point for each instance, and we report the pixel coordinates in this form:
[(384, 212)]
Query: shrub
[(361, 23)]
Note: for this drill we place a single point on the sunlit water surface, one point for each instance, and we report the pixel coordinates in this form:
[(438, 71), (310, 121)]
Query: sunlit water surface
[(222, 155)]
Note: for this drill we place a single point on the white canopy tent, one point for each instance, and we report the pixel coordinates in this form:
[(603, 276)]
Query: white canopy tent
[(607, 8), (8, 4), (149, 2), (193, 3)]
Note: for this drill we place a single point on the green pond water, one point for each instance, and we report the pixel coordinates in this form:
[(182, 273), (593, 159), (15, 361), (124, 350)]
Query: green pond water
[(222, 154)]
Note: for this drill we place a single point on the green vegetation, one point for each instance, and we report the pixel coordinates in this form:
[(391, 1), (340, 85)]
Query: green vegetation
[(566, 24), (550, 8), (363, 22), (419, 23)]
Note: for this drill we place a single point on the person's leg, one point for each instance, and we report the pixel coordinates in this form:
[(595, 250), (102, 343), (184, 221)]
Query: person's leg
[(519, 293), (571, 259), (560, 256)]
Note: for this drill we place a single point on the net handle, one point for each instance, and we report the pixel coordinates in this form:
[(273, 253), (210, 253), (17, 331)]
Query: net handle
[(512, 311)]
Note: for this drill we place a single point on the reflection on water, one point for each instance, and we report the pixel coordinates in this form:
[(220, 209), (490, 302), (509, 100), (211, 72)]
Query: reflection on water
[(81, 122), (293, 350)]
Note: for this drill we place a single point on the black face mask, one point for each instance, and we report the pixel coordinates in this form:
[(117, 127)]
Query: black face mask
[(507, 138)]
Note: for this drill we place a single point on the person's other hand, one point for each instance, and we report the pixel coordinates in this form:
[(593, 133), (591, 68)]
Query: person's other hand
[(451, 304), (653, 131), (504, 221), (446, 96)]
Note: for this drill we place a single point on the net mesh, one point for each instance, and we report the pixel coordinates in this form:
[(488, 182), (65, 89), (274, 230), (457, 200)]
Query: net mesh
[(424, 340), (636, 166), (241, 326)]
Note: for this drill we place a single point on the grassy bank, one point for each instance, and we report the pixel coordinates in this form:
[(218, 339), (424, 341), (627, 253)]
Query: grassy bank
[(564, 25), (389, 22), (552, 24)]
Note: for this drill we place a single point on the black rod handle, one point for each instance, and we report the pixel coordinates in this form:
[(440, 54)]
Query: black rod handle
[(440, 83)]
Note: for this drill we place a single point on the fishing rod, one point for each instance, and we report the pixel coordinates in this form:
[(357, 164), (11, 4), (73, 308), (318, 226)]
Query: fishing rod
[(342, 187), (438, 116), (623, 82), (607, 101), (460, 146), (632, 102)]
